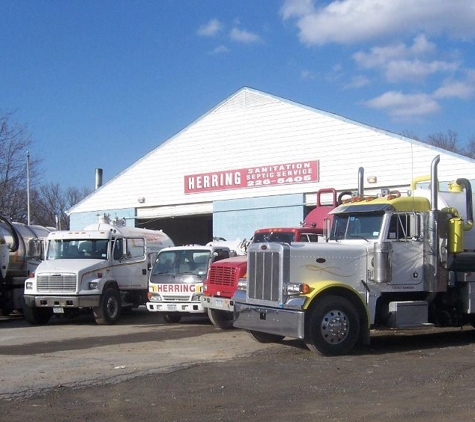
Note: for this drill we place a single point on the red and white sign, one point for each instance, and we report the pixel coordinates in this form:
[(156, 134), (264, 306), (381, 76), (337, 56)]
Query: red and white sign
[(176, 288), (276, 174)]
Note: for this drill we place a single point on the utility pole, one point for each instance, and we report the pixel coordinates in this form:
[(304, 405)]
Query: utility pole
[(28, 185)]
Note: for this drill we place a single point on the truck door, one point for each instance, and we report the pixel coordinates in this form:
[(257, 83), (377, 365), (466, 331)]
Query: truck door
[(407, 249), (129, 266)]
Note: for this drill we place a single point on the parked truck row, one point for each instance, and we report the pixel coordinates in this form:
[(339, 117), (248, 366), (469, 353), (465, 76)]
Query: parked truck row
[(387, 260)]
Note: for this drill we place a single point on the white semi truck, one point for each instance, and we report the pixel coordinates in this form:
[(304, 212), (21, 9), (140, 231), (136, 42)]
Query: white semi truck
[(390, 260), (103, 268), (176, 279)]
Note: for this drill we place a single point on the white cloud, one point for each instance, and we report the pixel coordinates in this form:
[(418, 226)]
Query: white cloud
[(353, 21), (463, 89), (422, 46), (399, 62), (220, 49), (379, 56), (401, 105), (398, 104), (357, 82), (212, 28), (307, 74), (241, 35), (293, 8), (403, 70)]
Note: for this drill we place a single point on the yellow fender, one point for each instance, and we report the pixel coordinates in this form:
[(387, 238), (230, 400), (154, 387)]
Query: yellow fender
[(319, 287)]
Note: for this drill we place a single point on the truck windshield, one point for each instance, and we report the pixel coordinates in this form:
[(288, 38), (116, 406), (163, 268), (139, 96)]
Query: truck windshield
[(182, 262), (284, 237), (356, 226), (77, 249)]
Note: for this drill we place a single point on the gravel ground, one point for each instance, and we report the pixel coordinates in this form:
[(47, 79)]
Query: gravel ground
[(145, 369)]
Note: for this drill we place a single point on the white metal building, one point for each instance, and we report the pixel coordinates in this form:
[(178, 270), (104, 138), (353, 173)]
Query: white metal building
[(253, 161)]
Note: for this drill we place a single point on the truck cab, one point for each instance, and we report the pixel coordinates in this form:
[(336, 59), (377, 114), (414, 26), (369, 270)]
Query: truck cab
[(102, 268), (176, 280)]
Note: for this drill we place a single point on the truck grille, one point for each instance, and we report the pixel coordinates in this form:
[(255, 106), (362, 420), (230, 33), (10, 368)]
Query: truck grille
[(222, 276), (268, 268), (56, 282), (177, 298)]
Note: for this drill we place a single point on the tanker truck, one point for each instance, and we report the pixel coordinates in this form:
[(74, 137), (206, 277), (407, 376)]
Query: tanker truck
[(224, 275), (101, 269), (394, 260), (21, 250)]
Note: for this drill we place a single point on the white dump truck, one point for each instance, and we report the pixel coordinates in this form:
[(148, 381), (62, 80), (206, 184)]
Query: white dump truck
[(176, 279), (103, 268)]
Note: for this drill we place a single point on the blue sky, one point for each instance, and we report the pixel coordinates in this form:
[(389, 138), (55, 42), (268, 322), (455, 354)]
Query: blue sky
[(102, 83)]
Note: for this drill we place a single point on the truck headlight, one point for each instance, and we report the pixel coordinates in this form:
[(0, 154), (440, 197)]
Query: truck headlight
[(93, 285), (242, 284), (29, 285), (196, 297), (154, 297), (297, 288)]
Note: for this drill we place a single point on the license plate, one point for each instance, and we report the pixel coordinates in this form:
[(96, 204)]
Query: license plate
[(171, 307), (219, 302), (58, 310)]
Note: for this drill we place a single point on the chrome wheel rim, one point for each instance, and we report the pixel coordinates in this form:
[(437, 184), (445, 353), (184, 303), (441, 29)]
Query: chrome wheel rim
[(112, 307), (335, 327)]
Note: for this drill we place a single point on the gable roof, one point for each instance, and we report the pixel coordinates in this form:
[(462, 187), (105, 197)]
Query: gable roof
[(251, 128)]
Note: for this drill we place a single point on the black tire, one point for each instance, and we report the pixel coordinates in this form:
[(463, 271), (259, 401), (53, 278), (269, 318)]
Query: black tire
[(333, 326), (221, 319), (171, 318), (37, 316), (265, 337), (109, 309)]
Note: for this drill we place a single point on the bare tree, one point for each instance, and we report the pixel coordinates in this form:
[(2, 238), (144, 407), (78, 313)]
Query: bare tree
[(52, 203), (410, 135), (15, 140), (470, 150), (447, 141)]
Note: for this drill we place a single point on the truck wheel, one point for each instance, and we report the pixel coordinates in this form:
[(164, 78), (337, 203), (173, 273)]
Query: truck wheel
[(108, 311), (36, 316), (171, 318), (221, 319), (265, 337), (333, 326)]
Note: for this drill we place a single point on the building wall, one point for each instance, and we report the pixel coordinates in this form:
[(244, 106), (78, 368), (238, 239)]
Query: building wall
[(239, 218)]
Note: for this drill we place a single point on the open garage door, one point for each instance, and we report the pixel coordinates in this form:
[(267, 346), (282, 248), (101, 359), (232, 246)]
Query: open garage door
[(183, 230)]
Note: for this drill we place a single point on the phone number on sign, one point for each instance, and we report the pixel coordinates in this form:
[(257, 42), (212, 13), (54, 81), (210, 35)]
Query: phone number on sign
[(279, 181)]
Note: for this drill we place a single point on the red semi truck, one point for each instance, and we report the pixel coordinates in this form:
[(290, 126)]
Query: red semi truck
[(224, 275)]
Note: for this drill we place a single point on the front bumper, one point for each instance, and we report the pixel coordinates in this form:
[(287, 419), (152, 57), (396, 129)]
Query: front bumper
[(89, 301), (284, 322), (220, 303), (185, 307)]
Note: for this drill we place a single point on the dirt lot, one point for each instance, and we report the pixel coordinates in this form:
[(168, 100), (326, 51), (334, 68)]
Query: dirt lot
[(144, 369)]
